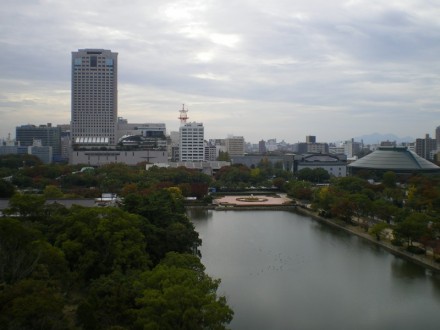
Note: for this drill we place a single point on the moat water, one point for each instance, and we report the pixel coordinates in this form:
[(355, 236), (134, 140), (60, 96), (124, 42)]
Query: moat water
[(282, 270)]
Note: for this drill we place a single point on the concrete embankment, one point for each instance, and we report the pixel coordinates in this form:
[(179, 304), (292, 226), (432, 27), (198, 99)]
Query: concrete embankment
[(422, 260)]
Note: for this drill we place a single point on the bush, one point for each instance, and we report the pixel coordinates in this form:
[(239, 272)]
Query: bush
[(396, 242), (415, 249)]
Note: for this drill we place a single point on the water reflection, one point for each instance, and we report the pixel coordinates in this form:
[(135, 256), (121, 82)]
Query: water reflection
[(281, 270), (406, 270), (199, 213)]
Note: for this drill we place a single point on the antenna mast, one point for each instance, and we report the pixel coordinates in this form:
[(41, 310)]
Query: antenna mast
[(183, 115)]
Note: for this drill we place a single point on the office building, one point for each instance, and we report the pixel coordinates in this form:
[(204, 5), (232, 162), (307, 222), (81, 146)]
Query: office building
[(235, 146), (425, 147), (44, 153), (211, 152), (352, 148), (49, 136), (94, 111), (191, 139)]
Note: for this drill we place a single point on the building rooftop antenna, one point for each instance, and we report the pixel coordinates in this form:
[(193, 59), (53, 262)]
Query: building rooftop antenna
[(183, 115)]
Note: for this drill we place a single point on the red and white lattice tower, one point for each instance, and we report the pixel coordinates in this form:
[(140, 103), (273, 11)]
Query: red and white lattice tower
[(183, 115)]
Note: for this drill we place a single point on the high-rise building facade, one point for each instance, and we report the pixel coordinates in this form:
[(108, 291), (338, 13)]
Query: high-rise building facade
[(94, 96), (192, 138)]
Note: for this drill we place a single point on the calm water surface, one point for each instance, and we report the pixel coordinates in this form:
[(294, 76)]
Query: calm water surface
[(281, 270)]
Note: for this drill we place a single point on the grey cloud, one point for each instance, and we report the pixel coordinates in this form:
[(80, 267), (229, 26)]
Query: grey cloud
[(299, 60)]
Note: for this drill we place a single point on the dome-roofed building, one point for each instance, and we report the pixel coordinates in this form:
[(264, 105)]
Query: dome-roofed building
[(396, 159)]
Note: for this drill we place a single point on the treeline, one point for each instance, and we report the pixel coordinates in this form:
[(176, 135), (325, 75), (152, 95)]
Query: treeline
[(68, 181), (76, 181), (409, 206), (135, 267)]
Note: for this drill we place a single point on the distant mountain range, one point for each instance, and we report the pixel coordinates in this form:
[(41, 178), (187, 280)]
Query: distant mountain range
[(376, 138)]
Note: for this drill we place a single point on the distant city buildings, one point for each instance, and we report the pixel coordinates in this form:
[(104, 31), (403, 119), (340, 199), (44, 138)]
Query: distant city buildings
[(97, 136)]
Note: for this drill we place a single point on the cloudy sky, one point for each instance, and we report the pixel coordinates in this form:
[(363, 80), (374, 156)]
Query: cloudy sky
[(261, 69)]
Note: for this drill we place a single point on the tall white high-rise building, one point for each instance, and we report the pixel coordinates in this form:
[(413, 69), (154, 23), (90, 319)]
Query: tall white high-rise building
[(192, 137), (94, 96)]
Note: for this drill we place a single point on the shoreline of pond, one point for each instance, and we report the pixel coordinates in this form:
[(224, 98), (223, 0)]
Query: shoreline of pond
[(420, 260)]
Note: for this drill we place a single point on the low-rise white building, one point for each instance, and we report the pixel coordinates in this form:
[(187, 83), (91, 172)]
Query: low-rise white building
[(334, 165)]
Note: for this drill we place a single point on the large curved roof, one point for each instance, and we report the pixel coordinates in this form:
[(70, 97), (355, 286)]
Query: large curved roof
[(395, 159)]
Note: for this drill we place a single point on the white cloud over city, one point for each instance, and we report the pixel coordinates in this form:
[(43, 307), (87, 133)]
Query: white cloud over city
[(261, 69)]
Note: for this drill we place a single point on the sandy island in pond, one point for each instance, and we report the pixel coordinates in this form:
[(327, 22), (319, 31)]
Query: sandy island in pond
[(252, 200)]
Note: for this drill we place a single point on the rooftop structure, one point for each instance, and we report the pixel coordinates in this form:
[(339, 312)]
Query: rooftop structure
[(397, 159)]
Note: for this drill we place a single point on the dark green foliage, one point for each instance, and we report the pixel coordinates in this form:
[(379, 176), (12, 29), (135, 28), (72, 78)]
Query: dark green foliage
[(165, 224), (223, 156), (16, 161), (110, 301), (19, 250), (90, 267), (315, 175), (302, 190), (177, 294), (32, 304), (350, 184), (415, 249), (413, 227), (27, 206), (98, 241), (7, 189)]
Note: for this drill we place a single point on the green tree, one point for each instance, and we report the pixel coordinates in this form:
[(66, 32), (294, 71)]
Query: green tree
[(223, 156), (378, 229), (19, 250), (166, 227), (97, 241), (350, 184), (413, 227), (32, 304), (109, 302), (177, 294), (300, 190), (27, 206), (7, 189), (52, 192), (389, 179), (383, 210), (344, 208)]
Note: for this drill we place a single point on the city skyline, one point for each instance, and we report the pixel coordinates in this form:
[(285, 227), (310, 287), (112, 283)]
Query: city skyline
[(276, 70)]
